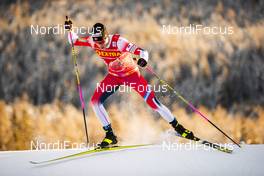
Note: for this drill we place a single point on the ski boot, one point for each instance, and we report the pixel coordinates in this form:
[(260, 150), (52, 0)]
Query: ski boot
[(182, 131), (110, 138)]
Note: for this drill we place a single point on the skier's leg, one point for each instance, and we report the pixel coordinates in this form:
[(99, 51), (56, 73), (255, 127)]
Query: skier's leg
[(141, 86), (106, 88)]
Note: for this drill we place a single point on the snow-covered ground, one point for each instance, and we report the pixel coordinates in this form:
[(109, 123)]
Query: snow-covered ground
[(151, 160)]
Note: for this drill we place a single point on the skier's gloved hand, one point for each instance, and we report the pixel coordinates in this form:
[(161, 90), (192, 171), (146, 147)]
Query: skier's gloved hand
[(143, 55), (142, 62), (68, 24)]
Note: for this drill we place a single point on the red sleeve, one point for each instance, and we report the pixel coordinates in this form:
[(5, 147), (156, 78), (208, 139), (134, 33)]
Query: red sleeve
[(84, 41), (125, 46)]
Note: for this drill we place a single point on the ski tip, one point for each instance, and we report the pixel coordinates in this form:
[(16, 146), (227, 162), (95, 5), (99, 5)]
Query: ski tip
[(33, 162)]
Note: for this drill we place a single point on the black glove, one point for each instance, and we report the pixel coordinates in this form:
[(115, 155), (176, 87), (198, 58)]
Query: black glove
[(68, 24), (142, 62)]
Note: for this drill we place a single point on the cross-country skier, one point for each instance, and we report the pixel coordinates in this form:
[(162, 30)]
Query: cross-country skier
[(117, 52)]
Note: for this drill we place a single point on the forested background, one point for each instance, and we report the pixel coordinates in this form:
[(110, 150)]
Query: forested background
[(223, 75)]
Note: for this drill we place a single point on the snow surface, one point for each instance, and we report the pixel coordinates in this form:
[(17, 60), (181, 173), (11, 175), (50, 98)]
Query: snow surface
[(151, 160)]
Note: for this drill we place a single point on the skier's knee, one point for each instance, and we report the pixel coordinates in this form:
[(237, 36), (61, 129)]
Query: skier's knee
[(153, 102), (94, 102)]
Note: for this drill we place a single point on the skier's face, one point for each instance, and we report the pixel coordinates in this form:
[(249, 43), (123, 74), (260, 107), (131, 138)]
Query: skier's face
[(101, 38)]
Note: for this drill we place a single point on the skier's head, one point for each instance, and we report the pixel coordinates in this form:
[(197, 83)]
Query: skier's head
[(99, 34)]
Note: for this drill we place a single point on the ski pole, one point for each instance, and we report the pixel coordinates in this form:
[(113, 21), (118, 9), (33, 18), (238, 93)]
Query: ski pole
[(188, 103), (74, 58)]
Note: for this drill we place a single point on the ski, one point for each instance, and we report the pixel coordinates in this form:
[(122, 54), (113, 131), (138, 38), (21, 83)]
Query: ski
[(207, 143), (95, 150)]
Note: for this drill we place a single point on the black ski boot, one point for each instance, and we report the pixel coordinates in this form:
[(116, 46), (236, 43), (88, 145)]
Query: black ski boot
[(110, 138), (181, 130)]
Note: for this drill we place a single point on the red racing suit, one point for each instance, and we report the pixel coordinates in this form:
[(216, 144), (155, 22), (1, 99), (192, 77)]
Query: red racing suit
[(118, 55)]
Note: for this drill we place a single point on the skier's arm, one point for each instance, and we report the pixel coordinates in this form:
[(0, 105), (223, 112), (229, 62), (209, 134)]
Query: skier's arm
[(125, 46), (84, 41), (73, 37)]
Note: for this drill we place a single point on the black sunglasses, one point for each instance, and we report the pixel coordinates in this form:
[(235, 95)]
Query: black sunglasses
[(97, 39)]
